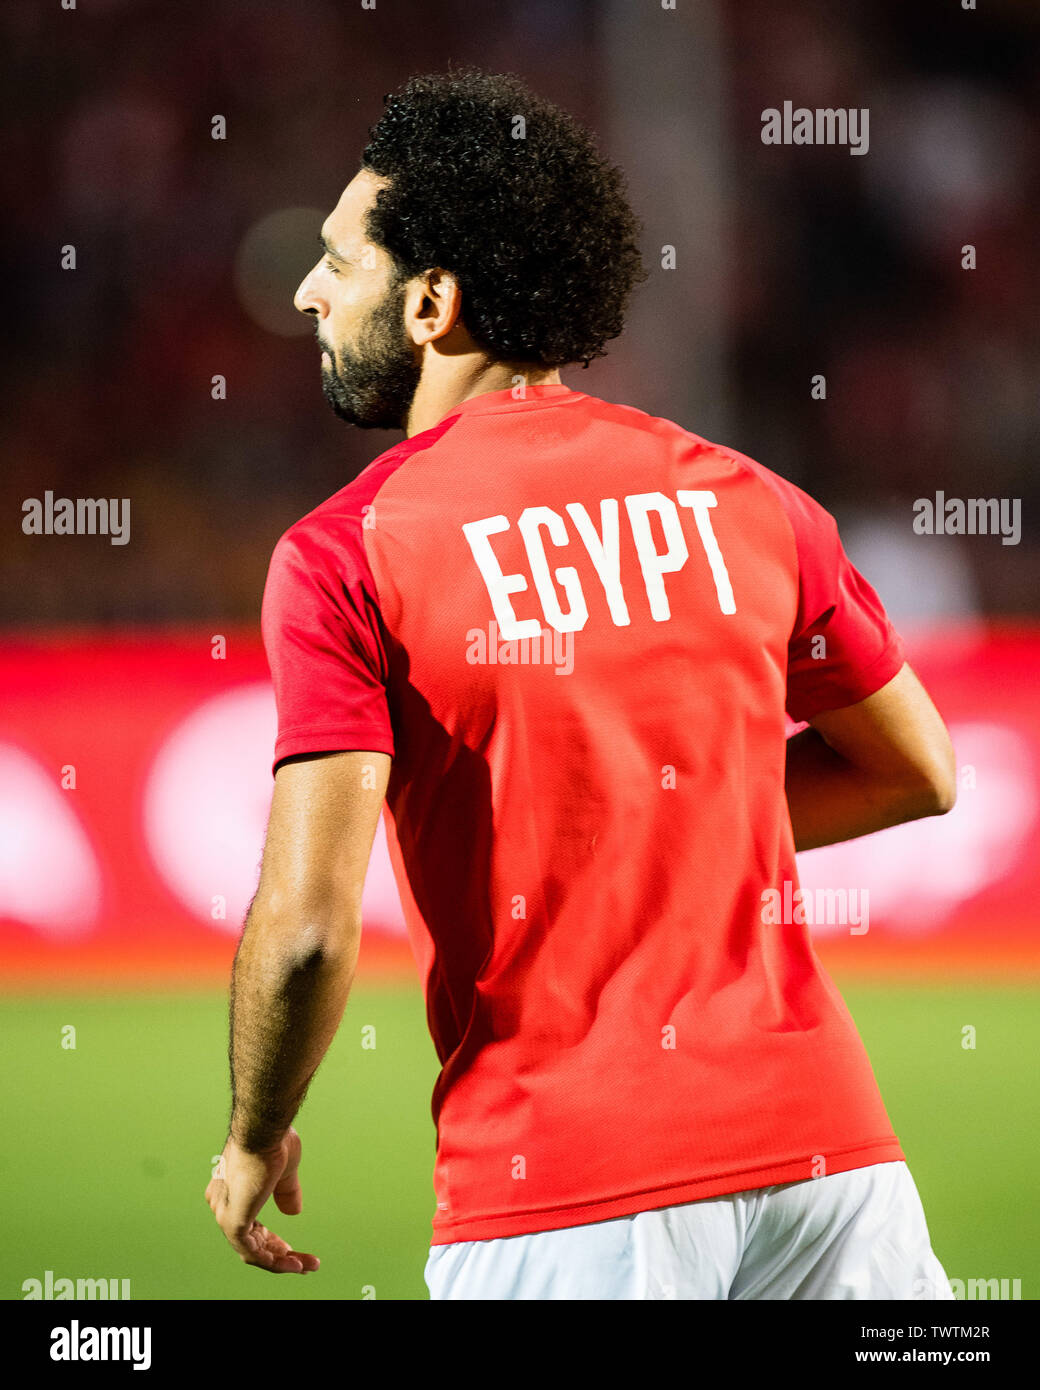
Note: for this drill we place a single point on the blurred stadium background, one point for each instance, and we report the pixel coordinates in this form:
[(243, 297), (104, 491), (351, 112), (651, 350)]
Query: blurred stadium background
[(136, 721)]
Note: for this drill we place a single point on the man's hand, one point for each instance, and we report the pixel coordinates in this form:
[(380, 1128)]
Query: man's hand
[(237, 1193), (878, 763)]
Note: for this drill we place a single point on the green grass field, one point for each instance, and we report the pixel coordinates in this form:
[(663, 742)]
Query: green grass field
[(107, 1148)]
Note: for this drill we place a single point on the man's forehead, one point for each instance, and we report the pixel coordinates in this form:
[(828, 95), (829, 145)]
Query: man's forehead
[(345, 225)]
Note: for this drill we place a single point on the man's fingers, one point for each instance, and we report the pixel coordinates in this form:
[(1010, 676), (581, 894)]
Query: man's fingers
[(265, 1250), (255, 1244)]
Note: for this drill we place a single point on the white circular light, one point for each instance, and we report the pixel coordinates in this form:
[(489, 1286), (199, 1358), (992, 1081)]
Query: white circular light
[(273, 257)]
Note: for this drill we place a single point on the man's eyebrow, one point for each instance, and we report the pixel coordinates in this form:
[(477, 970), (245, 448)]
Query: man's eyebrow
[(330, 250)]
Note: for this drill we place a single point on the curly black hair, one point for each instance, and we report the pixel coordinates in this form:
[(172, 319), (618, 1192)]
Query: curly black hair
[(509, 194)]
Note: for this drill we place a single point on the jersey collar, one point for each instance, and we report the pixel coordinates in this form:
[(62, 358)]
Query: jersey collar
[(533, 398)]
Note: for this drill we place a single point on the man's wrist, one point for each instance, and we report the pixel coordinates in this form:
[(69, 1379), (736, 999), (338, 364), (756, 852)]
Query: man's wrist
[(260, 1142)]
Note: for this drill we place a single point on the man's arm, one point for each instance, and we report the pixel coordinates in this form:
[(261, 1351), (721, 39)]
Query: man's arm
[(878, 763), (292, 974)]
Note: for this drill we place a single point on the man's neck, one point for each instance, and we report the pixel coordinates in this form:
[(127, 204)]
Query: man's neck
[(439, 392)]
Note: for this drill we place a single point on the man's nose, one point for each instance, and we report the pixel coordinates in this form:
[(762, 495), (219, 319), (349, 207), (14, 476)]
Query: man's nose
[(307, 301)]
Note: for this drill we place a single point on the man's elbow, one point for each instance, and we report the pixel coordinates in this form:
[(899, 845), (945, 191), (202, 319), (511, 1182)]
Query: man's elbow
[(934, 792), (324, 946), (305, 940), (946, 794), (939, 798)]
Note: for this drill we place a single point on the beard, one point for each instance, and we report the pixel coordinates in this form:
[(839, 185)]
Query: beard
[(372, 384)]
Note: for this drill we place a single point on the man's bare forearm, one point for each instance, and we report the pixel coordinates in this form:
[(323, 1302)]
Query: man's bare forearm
[(286, 1005), (831, 799)]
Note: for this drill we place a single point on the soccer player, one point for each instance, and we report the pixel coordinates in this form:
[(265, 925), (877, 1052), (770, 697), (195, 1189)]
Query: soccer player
[(552, 640)]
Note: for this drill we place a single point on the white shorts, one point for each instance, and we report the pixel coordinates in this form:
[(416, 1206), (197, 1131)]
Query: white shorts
[(855, 1235)]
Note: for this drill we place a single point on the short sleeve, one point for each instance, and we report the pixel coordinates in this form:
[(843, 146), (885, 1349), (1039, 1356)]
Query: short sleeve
[(325, 647), (843, 647)]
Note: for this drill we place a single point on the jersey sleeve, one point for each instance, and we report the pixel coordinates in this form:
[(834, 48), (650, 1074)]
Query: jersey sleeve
[(325, 647), (843, 647)]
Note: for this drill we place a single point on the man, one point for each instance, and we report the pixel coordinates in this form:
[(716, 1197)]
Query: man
[(558, 637)]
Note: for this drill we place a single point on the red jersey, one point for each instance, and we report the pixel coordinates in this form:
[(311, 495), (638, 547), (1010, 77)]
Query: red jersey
[(577, 628)]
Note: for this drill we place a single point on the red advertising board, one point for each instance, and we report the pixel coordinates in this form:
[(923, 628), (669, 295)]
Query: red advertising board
[(135, 782)]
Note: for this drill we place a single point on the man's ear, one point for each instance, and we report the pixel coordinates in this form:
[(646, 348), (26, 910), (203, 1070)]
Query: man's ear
[(434, 310)]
